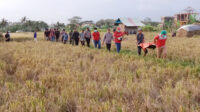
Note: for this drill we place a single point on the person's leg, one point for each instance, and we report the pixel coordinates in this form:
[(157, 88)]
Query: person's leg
[(99, 44), (139, 50), (108, 46), (164, 52), (65, 41), (159, 52), (118, 47), (145, 52), (95, 43)]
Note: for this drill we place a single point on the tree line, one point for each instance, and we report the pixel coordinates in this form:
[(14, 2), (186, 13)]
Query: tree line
[(76, 22)]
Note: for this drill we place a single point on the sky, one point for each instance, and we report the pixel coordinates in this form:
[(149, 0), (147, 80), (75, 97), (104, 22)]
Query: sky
[(52, 11)]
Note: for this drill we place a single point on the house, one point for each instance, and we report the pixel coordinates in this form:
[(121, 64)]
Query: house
[(183, 17), (188, 30), (129, 25)]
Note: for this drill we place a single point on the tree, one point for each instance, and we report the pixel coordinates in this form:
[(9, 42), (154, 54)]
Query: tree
[(24, 19), (59, 25), (3, 24), (107, 23), (74, 22)]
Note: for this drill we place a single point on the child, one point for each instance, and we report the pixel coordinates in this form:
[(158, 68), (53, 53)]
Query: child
[(65, 38), (35, 36)]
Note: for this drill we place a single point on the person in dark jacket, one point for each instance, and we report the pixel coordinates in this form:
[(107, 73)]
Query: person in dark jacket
[(75, 36), (140, 40), (57, 33), (71, 40), (46, 34), (7, 36)]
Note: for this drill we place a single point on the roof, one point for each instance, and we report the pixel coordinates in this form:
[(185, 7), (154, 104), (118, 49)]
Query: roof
[(129, 22), (191, 27)]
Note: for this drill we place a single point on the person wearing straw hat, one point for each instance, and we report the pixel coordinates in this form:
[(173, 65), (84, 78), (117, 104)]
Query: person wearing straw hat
[(160, 41)]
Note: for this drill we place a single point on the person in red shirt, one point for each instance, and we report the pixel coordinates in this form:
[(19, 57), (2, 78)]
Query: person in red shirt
[(118, 36), (160, 41), (96, 38)]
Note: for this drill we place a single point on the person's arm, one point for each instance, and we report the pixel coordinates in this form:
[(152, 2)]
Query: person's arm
[(143, 38), (155, 39), (104, 38)]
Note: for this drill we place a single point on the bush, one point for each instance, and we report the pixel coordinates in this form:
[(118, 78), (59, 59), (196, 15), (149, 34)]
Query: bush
[(149, 28)]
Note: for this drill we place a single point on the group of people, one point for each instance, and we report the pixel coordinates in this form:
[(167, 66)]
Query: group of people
[(74, 37)]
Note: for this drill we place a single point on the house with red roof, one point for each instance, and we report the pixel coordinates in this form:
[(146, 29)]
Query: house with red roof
[(129, 25)]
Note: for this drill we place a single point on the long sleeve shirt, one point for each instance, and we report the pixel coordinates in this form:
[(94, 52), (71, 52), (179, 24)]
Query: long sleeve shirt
[(108, 37)]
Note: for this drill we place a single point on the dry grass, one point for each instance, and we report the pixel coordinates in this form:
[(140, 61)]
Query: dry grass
[(52, 77)]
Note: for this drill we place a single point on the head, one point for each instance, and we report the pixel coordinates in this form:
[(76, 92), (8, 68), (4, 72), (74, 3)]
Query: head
[(118, 29), (139, 30), (88, 29), (63, 29), (95, 30), (75, 30), (108, 30), (163, 32)]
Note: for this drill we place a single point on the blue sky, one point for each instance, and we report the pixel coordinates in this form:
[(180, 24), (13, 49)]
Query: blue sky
[(52, 11)]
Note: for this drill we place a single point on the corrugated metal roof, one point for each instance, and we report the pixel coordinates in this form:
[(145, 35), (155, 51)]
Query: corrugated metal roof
[(192, 27), (131, 22)]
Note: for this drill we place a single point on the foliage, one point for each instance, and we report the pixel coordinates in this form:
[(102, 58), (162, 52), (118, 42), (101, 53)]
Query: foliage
[(105, 23), (149, 28), (193, 19)]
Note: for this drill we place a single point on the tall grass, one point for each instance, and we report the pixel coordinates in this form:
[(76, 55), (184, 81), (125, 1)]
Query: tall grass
[(52, 77)]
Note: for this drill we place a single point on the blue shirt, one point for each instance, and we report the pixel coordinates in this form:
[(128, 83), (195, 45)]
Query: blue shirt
[(35, 35)]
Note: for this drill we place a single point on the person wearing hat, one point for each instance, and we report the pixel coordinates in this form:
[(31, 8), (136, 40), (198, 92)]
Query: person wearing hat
[(118, 36), (140, 40), (160, 41)]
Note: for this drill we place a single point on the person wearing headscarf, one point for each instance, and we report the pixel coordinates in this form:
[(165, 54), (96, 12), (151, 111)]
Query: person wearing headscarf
[(160, 41)]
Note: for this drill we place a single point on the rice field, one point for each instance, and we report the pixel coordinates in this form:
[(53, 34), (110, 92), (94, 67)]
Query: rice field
[(52, 77)]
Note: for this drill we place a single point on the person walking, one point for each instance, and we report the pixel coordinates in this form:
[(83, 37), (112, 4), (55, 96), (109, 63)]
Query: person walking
[(52, 35), (7, 36), (160, 41), (65, 39), (35, 36), (88, 36), (96, 38), (118, 37), (57, 34), (70, 36), (75, 37), (108, 37), (46, 34), (63, 35), (82, 38), (140, 40)]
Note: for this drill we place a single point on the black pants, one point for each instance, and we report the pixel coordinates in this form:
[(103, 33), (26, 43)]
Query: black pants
[(83, 43), (140, 49), (76, 42), (88, 41), (64, 41), (108, 46)]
